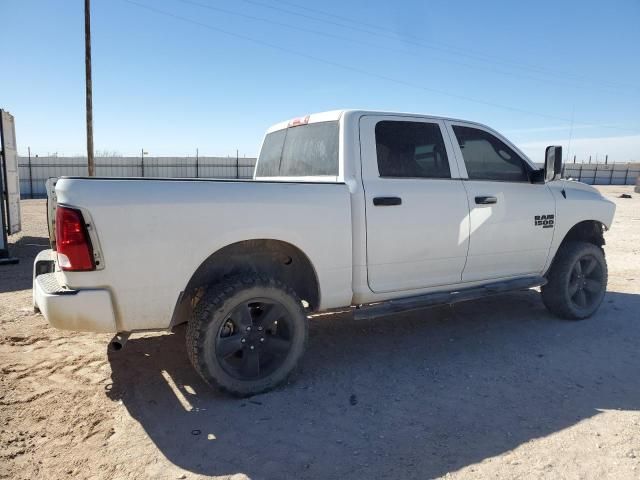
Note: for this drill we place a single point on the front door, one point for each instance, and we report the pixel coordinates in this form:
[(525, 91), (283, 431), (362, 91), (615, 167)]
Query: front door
[(511, 219), (416, 205)]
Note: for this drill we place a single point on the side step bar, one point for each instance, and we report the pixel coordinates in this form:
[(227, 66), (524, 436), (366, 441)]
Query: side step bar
[(419, 302)]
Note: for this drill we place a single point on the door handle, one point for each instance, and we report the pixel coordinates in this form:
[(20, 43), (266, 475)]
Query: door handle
[(386, 201), (486, 200)]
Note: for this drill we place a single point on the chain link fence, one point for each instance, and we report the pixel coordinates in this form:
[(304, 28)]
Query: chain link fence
[(35, 171)]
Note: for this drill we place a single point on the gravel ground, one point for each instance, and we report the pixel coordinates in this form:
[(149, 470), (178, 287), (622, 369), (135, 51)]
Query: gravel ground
[(496, 388)]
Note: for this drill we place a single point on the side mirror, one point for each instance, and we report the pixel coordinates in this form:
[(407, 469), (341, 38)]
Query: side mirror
[(552, 163)]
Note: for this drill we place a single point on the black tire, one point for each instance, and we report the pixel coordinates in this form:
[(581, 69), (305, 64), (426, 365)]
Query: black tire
[(577, 281), (246, 361)]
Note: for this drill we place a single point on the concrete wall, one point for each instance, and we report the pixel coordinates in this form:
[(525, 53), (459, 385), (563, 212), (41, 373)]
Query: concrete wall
[(600, 174), (32, 178)]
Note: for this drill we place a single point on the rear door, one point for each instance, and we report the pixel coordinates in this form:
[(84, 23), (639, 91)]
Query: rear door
[(416, 206), (507, 236)]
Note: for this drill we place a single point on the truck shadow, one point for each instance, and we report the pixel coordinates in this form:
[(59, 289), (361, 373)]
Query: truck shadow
[(19, 275), (412, 396)]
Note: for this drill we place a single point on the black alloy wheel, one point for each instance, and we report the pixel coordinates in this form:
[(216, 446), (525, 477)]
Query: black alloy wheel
[(586, 282), (254, 339), (247, 334), (577, 281)]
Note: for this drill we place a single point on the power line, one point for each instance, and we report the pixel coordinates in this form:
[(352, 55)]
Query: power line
[(333, 15), (359, 70), (373, 45), (390, 34), (449, 46), (287, 25)]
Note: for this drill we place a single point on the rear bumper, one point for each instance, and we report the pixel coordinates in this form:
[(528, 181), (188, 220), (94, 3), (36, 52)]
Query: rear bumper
[(89, 310)]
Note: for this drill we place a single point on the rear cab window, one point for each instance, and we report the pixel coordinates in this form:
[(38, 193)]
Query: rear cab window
[(309, 150)]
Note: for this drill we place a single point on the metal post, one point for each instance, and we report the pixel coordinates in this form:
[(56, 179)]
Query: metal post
[(574, 159), (237, 165), (89, 93), (611, 176), (197, 173), (626, 174), (4, 214), (580, 173), (142, 160), (4, 249), (30, 175)]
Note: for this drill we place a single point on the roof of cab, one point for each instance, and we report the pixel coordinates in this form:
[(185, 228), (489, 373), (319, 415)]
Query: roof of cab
[(334, 115)]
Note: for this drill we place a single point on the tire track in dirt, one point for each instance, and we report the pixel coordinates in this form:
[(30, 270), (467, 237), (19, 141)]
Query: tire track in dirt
[(50, 385)]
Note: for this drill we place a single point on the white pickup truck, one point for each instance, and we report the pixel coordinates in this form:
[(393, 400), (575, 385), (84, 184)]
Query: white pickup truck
[(380, 212)]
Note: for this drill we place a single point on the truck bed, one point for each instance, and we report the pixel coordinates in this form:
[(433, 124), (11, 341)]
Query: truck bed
[(154, 234)]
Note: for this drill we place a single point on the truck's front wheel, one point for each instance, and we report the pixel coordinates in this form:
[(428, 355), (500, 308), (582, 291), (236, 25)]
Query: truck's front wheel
[(247, 334), (577, 281)]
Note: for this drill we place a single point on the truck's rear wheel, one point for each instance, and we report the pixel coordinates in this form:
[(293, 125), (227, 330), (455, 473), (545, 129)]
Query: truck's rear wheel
[(247, 334), (577, 281)]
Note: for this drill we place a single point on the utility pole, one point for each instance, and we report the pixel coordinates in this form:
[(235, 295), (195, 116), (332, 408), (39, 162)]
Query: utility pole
[(87, 65), (30, 174)]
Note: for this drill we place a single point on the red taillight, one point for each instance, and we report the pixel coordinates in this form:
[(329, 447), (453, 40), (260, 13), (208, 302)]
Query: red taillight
[(72, 241)]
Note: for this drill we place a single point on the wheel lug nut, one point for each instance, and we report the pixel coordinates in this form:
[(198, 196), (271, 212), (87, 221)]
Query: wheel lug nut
[(243, 340), (252, 347), (248, 329), (262, 339), (259, 329)]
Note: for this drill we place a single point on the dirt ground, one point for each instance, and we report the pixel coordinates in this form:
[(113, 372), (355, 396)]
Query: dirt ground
[(496, 388)]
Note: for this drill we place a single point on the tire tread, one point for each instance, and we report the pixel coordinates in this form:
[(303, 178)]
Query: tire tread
[(212, 300), (554, 295)]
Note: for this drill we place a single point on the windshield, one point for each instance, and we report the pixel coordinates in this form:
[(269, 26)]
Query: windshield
[(302, 151)]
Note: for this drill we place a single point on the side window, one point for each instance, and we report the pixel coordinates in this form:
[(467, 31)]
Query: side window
[(411, 149), (488, 158)]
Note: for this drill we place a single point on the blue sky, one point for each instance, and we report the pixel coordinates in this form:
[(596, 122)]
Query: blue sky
[(170, 80)]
